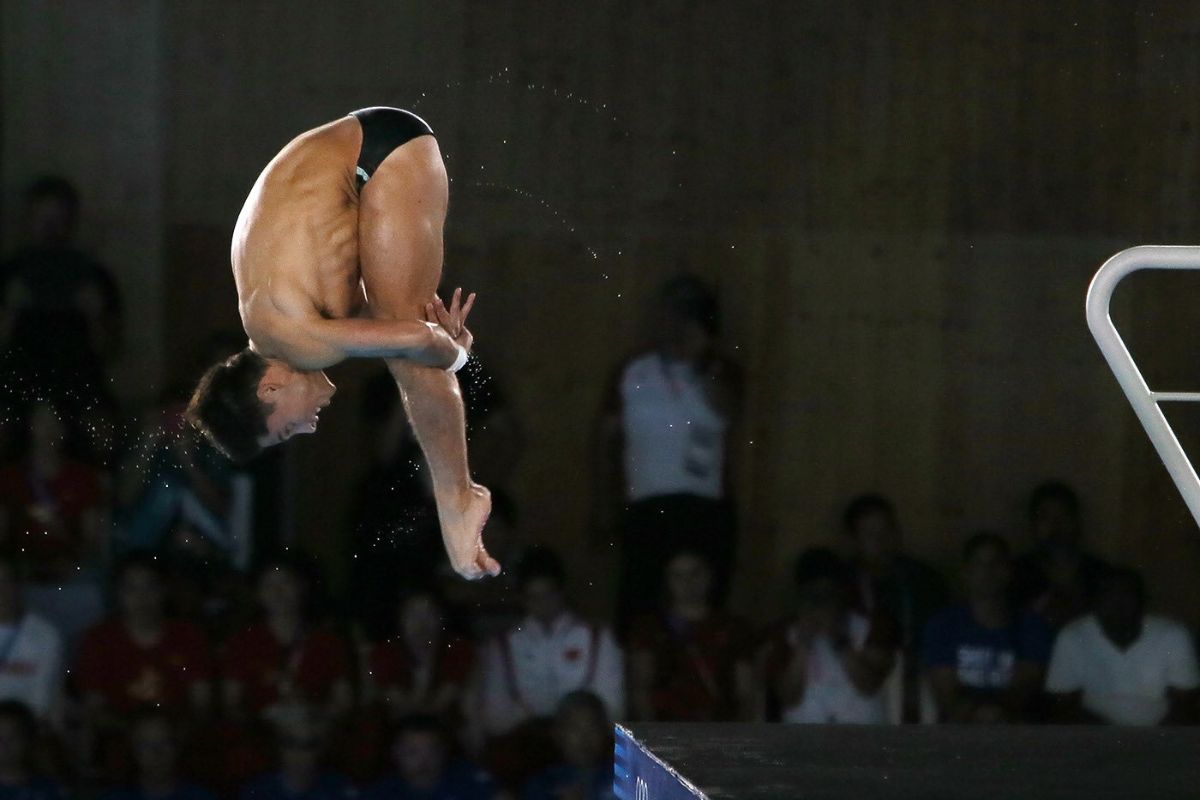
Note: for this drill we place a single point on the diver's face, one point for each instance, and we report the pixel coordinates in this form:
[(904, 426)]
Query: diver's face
[(296, 400)]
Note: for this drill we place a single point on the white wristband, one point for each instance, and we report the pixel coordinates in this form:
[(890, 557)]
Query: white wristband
[(459, 362)]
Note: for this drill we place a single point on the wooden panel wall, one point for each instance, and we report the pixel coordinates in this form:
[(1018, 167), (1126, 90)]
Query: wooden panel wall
[(901, 204)]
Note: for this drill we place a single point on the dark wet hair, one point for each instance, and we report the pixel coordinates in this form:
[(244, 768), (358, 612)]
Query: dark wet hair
[(1053, 492), (540, 561), (690, 298), (53, 187), (865, 504), (226, 409), (979, 541)]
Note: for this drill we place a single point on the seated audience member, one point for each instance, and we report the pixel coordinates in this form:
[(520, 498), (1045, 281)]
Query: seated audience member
[(422, 668), (1057, 576), (154, 741), (53, 512), (690, 662), (175, 476), (424, 769), (584, 735), (31, 653), (984, 659), (1122, 666), (141, 656), (18, 777), (829, 663), (526, 671), (890, 582), (300, 739), (289, 657)]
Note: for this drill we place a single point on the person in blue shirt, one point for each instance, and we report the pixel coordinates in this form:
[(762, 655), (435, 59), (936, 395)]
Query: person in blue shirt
[(155, 745), (300, 738), (985, 661), (18, 730), (424, 769), (584, 736)]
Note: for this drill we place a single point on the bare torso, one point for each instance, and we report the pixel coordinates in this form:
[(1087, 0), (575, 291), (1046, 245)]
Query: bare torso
[(295, 246)]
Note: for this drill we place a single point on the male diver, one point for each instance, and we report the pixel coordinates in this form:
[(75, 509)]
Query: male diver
[(337, 254)]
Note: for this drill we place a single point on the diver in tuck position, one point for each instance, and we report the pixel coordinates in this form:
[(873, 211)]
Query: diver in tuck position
[(337, 254)]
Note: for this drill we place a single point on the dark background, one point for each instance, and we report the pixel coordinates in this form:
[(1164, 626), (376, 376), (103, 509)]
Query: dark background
[(901, 205)]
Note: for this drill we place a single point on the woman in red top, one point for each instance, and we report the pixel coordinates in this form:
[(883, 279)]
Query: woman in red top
[(287, 658), (690, 662)]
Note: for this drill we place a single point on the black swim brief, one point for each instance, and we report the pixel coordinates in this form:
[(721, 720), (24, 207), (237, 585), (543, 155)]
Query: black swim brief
[(384, 129)]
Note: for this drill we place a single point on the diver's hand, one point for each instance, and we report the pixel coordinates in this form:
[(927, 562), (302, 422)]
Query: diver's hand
[(453, 319)]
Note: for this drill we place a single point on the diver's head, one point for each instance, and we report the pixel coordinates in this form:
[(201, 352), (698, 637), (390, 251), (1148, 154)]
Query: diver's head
[(248, 403)]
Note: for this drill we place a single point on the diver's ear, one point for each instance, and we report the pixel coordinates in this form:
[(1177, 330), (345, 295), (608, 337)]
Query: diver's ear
[(267, 388)]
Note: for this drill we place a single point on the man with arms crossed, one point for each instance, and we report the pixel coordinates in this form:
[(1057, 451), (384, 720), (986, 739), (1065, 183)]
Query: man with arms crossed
[(337, 254)]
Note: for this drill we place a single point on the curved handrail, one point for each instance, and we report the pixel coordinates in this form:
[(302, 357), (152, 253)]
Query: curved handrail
[(1144, 400)]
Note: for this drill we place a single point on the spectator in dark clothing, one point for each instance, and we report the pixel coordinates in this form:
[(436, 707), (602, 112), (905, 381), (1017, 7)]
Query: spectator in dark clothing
[(394, 527), (60, 319), (61, 303), (18, 778), (690, 662), (154, 740), (663, 450), (888, 581), (583, 732), (985, 661), (425, 770), (301, 741), (1057, 577)]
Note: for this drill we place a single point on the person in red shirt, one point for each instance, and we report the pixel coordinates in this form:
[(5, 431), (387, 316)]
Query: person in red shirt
[(141, 657), (422, 668), (689, 662), (52, 504), (288, 657)]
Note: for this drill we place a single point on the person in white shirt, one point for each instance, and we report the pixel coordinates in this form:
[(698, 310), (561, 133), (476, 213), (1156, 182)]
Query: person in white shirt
[(662, 450), (32, 668), (1122, 666), (828, 664), (525, 672)]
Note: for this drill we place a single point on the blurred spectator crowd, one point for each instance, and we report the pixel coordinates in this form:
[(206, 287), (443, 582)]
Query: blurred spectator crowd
[(155, 642)]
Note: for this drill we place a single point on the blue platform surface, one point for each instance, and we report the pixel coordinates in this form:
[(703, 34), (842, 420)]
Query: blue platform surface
[(669, 761)]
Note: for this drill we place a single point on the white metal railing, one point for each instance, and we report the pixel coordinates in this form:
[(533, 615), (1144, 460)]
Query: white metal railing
[(1143, 399)]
